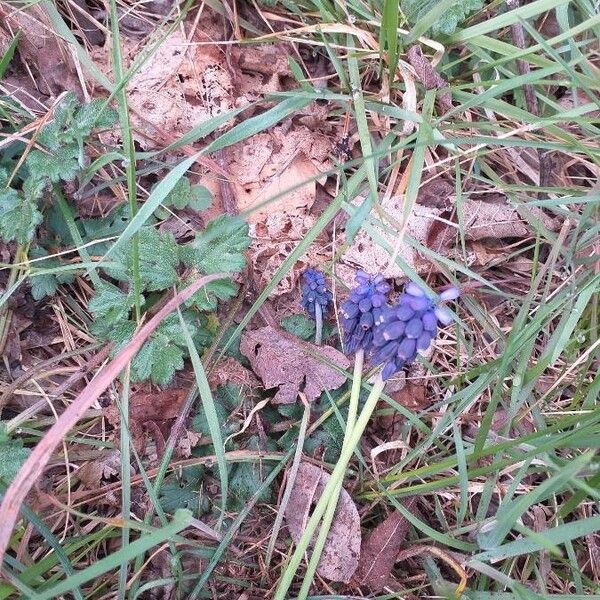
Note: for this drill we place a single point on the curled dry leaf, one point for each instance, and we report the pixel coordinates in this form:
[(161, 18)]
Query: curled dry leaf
[(341, 552), (380, 549), (94, 472), (282, 361)]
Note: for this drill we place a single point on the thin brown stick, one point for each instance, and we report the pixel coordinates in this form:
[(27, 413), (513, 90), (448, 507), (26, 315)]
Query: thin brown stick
[(39, 457)]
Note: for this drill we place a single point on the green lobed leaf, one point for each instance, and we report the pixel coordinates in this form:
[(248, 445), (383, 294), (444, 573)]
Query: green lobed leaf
[(158, 260), (185, 194), (62, 163), (12, 456), (19, 216), (220, 247), (414, 10), (208, 297), (111, 304), (46, 284)]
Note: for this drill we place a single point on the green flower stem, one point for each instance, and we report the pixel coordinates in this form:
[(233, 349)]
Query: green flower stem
[(336, 478), (319, 320), (359, 360)]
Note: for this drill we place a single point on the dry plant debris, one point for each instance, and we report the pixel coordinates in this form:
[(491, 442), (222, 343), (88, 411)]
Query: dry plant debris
[(292, 366), (342, 548)]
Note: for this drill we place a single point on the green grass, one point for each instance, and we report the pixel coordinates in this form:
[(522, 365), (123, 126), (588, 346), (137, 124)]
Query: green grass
[(525, 342)]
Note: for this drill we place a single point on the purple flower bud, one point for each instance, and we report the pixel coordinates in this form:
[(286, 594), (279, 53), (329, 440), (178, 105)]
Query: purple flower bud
[(450, 294), (366, 321), (421, 303), (423, 341), (365, 305), (407, 349), (404, 313), (390, 369), (350, 310), (429, 321), (394, 330), (384, 353), (414, 289), (444, 316), (414, 328)]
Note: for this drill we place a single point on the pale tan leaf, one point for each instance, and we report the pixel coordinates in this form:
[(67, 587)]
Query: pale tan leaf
[(341, 552)]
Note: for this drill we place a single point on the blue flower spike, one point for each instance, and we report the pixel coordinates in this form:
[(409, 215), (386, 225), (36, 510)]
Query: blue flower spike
[(316, 299), (409, 327), (363, 310)]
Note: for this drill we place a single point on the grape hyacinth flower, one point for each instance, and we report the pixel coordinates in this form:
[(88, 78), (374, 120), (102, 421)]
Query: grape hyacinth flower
[(316, 298), (408, 327), (363, 310)]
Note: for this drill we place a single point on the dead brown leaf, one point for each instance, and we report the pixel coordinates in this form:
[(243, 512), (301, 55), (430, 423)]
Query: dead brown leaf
[(40, 48), (94, 472), (341, 552), (285, 362), (380, 549)]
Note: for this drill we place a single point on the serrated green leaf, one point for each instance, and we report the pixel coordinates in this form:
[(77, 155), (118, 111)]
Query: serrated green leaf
[(19, 216), (183, 491), (158, 360), (207, 298), (248, 477), (61, 163), (185, 194), (220, 247), (110, 304), (90, 116), (12, 456), (46, 284), (158, 260), (120, 333), (451, 17)]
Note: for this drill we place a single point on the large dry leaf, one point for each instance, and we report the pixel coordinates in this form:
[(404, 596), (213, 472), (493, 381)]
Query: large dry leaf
[(282, 361), (341, 552), (380, 549)]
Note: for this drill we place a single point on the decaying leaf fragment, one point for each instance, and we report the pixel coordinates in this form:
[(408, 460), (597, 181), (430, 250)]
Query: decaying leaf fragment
[(284, 362), (342, 548), (380, 549)]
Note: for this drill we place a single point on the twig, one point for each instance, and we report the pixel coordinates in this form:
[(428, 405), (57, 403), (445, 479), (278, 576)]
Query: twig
[(40, 455)]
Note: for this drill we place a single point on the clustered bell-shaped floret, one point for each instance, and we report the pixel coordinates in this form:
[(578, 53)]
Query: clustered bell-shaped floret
[(407, 328), (315, 292), (362, 311)]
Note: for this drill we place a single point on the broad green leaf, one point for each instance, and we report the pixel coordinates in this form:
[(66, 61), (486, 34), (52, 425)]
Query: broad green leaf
[(185, 194), (220, 247), (451, 17), (46, 284), (158, 260), (19, 216), (62, 163), (207, 298), (12, 456), (110, 304), (158, 360)]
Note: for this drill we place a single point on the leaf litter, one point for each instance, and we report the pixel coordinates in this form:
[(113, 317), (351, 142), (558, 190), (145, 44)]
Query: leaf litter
[(341, 552)]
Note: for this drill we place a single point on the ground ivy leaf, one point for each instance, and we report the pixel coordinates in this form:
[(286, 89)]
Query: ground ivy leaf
[(19, 216), (220, 247), (247, 477)]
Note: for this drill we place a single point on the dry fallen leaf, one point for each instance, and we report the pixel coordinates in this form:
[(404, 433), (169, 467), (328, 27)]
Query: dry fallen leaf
[(380, 549), (427, 226), (283, 361), (94, 472), (342, 548)]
